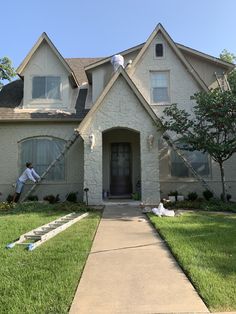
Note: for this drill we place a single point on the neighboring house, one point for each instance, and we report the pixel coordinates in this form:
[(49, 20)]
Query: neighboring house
[(120, 150)]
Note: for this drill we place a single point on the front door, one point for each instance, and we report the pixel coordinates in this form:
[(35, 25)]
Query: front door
[(121, 183)]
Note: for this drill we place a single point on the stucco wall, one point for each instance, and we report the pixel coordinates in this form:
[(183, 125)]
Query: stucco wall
[(12, 134), (205, 69), (45, 63), (121, 108)]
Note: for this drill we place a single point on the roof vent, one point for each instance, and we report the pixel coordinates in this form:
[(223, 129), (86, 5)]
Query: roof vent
[(117, 61)]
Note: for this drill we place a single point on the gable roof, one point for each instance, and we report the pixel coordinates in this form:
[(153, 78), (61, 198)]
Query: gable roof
[(160, 29), (117, 74), (42, 38)]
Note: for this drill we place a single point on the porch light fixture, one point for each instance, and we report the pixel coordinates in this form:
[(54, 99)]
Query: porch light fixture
[(150, 141), (91, 141)]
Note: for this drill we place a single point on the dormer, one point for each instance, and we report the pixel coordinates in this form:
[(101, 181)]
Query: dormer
[(49, 82)]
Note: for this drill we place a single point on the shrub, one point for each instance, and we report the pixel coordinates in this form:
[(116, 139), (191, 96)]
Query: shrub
[(136, 196), (6, 206), (72, 197), (192, 196), (207, 195), (52, 199), (33, 198), (173, 193), (228, 197)]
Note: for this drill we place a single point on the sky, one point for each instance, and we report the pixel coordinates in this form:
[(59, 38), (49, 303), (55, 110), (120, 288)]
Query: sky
[(100, 28)]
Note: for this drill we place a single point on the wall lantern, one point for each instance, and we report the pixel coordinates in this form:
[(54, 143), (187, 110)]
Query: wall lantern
[(150, 141), (91, 141)]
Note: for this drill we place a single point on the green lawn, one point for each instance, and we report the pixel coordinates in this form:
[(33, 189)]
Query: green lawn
[(205, 246), (44, 280)]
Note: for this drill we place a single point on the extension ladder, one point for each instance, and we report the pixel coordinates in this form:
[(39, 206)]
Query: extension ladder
[(48, 231), (222, 82), (171, 143), (67, 146)]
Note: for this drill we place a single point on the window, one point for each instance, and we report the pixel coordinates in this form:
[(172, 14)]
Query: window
[(46, 87), (159, 50), (160, 87), (198, 160), (41, 152)]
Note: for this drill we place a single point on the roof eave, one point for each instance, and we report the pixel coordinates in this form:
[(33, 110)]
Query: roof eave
[(228, 65)]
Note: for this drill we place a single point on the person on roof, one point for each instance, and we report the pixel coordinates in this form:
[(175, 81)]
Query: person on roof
[(28, 174)]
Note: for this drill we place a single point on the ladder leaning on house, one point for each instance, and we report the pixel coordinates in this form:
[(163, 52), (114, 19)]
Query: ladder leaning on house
[(222, 81), (67, 146), (171, 143)]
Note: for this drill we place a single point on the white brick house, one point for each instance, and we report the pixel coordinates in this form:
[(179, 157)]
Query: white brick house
[(118, 110)]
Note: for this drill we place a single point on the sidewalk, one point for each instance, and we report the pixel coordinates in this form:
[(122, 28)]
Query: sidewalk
[(130, 270)]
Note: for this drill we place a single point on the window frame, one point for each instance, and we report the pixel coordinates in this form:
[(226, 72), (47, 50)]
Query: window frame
[(163, 102), (46, 98)]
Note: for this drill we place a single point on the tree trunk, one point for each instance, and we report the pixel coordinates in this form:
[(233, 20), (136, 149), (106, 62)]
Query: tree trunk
[(222, 181)]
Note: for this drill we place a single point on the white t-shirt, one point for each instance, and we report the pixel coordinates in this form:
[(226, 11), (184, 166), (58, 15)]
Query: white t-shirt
[(29, 174)]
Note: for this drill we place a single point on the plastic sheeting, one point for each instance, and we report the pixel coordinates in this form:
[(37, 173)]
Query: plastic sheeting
[(162, 211), (116, 61)]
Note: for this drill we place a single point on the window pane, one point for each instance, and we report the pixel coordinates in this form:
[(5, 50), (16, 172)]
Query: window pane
[(159, 50), (160, 94), (198, 160), (160, 87), (41, 152), (38, 89), (53, 87)]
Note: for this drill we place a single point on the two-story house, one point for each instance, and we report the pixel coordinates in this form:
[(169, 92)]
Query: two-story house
[(119, 151)]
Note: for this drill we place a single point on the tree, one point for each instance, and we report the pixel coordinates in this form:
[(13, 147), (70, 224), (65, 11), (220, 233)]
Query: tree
[(211, 128), (7, 71), (230, 57)]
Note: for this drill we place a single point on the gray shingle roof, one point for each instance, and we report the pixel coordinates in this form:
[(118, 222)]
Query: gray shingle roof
[(11, 94), (10, 98), (77, 65)]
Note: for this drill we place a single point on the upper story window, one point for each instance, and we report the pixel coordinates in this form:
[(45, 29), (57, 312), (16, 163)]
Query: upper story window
[(160, 87), (46, 87), (159, 51), (198, 160)]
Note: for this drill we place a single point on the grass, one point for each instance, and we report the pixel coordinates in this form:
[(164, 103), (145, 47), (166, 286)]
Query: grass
[(45, 280), (204, 244)]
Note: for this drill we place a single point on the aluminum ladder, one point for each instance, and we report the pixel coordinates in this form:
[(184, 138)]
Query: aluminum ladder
[(222, 81), (47, 231), (171, 143), (67, 146)]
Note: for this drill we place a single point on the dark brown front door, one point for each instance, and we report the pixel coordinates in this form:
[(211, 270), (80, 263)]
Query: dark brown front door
[(120, 169)]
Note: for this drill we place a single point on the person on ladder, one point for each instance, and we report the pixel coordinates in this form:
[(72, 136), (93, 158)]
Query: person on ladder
[(28, 174)]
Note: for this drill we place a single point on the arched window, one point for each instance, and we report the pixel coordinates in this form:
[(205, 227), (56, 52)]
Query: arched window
[(41, 152), (198, 160)]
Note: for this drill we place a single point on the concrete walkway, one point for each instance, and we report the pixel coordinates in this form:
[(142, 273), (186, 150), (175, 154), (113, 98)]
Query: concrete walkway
[(130, 270)]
